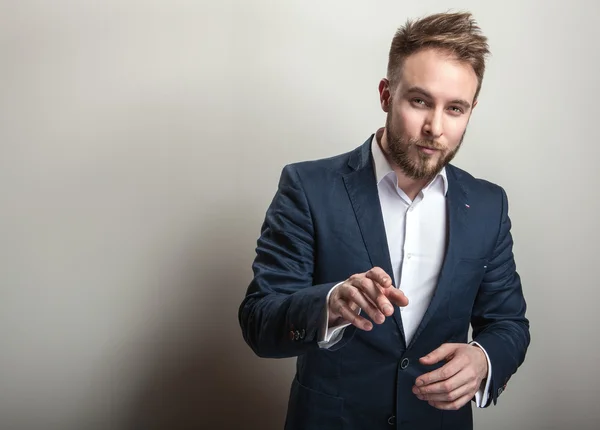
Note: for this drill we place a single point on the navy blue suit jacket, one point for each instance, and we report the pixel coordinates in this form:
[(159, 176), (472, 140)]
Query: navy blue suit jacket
[(324, 225)]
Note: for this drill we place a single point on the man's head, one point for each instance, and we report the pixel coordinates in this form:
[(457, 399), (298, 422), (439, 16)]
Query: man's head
[(435, 69)]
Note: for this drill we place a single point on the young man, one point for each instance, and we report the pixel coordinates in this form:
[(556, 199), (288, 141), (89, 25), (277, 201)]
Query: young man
[(371, 265)]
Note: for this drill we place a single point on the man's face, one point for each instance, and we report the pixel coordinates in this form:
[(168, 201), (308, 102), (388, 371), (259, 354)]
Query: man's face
[(428, 112)]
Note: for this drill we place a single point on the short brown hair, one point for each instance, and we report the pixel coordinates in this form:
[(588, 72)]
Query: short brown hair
[(457, 33)]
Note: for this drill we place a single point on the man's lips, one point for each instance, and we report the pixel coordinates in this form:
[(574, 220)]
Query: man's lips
[(427, 149)]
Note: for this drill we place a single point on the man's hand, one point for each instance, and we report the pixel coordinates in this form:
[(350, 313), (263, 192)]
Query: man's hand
[(455, 383), (372, 292)]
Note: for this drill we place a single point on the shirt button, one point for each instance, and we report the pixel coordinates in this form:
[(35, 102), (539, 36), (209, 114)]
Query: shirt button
[(412, 208), (409, 256)]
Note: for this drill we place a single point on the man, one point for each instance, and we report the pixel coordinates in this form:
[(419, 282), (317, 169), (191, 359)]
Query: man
[(372, 264)]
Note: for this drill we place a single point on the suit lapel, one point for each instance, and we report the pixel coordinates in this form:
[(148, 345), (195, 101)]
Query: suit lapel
[(457, 206), (361, 186)]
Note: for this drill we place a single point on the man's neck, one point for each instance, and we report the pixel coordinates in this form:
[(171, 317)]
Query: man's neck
[(412, 187)]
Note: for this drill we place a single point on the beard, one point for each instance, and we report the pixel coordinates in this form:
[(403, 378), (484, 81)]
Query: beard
[(414, 163)]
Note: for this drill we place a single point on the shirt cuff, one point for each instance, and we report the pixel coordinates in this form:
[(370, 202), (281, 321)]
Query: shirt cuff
[(482, 395)]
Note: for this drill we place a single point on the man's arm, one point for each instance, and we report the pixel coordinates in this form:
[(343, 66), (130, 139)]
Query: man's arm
[(282, 312), (500, 337), (498, 318)]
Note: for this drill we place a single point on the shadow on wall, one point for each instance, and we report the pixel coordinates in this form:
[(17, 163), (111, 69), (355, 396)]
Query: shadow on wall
[(203, 375)]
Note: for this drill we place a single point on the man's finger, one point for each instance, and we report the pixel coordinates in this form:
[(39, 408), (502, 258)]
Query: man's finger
[(396, 296), (378, 275), (356, 320), (445, 351), (372, 291), (452, 406), (437, 392), (445, 386), (352, 295), (447, 371)]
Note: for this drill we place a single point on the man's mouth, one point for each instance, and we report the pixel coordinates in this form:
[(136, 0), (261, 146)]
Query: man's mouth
[(427, 149)]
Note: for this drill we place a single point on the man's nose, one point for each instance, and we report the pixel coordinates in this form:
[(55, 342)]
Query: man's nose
[(433, 127)]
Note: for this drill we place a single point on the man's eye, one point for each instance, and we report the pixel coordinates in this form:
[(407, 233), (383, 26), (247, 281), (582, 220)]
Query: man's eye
[(419, 101)]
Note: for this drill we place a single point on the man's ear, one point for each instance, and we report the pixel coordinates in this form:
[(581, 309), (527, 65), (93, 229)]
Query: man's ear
[(385, 94)]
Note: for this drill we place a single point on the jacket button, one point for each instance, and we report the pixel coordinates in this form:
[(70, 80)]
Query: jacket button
[(392, 420), (404, 363)]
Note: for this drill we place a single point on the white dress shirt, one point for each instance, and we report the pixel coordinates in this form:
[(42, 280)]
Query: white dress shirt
[(416, 236)]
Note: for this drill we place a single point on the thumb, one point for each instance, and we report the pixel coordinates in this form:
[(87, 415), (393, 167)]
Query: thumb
[(445, 351), (395, 296)]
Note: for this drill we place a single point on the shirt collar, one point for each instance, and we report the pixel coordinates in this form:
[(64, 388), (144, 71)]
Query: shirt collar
[(383, 168)]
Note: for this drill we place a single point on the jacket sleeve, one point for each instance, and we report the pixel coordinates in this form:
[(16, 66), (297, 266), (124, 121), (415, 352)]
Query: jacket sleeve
[(498, 318), (283, 311)]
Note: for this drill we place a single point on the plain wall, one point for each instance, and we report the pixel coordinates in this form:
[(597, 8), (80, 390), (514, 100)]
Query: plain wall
[(141, 143)]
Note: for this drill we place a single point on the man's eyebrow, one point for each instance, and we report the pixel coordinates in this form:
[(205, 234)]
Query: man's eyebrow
[(420, 91), (465, 104)]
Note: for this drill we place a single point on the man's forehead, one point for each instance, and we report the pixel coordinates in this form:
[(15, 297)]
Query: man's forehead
[(439, 75)]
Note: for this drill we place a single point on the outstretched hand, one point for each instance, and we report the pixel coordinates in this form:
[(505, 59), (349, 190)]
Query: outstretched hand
[(371, 292)]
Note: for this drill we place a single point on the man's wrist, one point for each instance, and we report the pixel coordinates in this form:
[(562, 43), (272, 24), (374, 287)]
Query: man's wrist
[(483, 361), (335, 320)]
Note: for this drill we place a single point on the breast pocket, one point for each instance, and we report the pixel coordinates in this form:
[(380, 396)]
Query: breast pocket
[(468, 274)]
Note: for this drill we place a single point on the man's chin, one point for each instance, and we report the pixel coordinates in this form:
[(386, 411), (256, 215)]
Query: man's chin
[(427, 172)]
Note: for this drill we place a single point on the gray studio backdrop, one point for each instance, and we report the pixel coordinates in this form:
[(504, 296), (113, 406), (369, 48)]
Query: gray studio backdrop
[(141, 142)]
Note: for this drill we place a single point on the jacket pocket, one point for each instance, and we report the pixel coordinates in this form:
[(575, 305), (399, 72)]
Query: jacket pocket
[(309, 409)]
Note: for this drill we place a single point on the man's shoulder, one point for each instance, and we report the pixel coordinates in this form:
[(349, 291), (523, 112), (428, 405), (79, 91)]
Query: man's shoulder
[(326, 166), (487, 193), (472, 183)]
